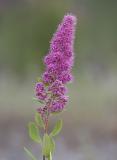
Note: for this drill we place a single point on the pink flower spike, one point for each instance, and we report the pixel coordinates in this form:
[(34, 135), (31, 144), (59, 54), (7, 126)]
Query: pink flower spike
[(58, 63)]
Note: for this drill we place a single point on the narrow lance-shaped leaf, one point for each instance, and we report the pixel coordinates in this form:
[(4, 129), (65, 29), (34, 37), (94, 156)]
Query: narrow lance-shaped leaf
[(51, 149), (57, 128), (29, 154), (38, 120), (47, 145), (34, 132), (52, 145)]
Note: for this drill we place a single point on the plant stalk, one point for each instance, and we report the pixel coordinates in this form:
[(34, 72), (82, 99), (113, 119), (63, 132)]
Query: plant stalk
[(43, 157)]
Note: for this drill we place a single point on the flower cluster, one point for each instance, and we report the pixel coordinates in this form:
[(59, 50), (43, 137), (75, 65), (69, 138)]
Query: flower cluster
[(59, 61), (57, 88)]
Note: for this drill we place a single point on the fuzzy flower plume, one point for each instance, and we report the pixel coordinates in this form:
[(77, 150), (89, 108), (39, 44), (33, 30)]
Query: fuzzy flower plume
[(51, 89)]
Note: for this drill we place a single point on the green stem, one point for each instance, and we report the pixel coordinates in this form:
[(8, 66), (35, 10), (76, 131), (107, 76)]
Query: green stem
[(50, 157)]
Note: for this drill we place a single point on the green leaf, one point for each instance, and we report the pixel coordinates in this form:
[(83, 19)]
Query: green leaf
[(50, 156), (38, 120), (52, 145), (57, 128), (47, 145), (37, 100), (34, 132), (29, 154)]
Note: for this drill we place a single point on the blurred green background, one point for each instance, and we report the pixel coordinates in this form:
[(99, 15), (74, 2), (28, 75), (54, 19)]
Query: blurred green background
[(90, 123)]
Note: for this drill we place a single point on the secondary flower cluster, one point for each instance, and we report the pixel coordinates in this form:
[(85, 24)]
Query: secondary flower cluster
[(51, 89)]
